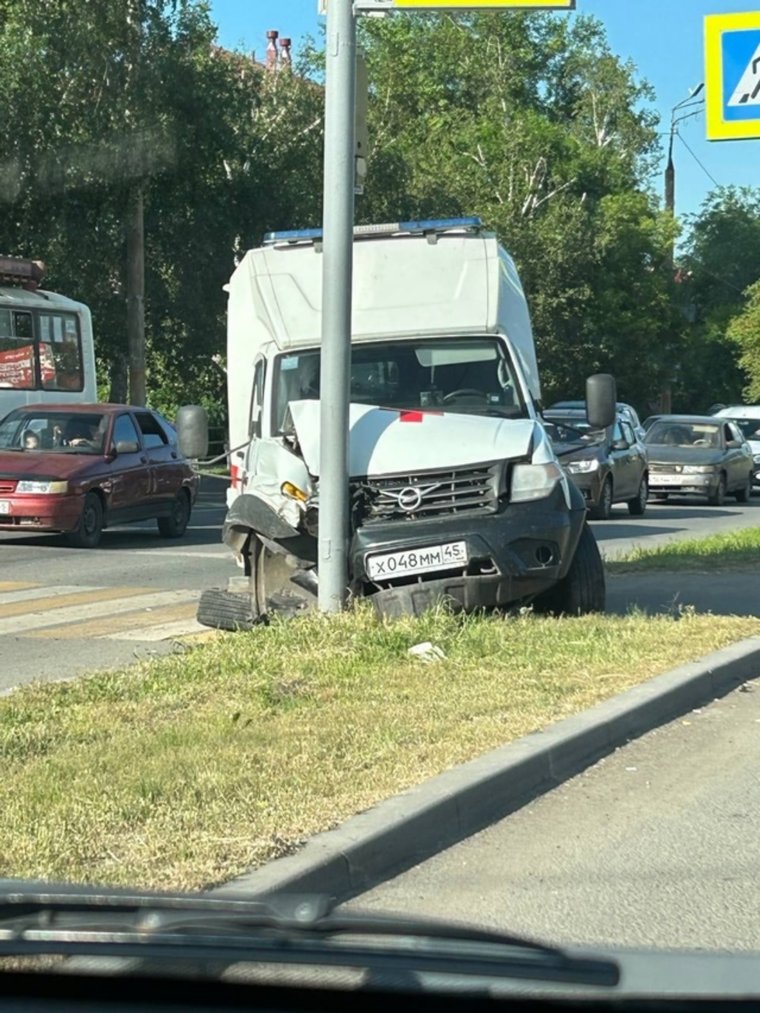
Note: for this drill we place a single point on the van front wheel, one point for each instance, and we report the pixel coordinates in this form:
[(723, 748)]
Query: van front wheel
[(583, 589), (272, 589)]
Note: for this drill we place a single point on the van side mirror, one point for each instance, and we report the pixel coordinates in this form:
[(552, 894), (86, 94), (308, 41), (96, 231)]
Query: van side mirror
[(601, 400), (192, 431)]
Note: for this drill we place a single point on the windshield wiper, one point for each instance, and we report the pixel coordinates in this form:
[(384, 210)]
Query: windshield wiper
[(283, 929)]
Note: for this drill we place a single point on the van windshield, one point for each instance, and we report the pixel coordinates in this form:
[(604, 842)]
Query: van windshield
[(463, 375)]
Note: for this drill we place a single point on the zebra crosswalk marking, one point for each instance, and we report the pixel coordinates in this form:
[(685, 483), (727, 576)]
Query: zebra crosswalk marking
[(135, 621)]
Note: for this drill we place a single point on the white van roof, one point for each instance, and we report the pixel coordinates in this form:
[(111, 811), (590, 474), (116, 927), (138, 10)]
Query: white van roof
[(416, 279)]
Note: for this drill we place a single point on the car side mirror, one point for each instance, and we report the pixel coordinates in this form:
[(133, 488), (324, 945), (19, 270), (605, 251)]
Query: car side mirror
[(127, 447)]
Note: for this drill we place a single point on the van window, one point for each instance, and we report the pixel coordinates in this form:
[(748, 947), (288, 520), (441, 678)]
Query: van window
[(468, 376)]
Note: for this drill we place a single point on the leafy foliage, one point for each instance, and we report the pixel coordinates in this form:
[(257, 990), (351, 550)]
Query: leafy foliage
[(744, 330), (532, 123), (723, 261), (528, 120)]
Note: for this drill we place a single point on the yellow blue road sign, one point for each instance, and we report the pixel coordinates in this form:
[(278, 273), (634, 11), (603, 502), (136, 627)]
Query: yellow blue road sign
[(732, 76)]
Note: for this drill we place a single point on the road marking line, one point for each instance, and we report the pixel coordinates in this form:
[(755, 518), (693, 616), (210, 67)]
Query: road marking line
[(105, 606), (105, 627), (59, 601), (166, 631), (39, 591), (188, 553), (16, 585)]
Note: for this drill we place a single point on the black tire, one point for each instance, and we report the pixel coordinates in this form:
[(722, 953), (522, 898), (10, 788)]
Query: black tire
[(602, 510), (743, 494), (175, 525), (222, 610), (583, 589), (718, 498), (90, 527), (638, 505)]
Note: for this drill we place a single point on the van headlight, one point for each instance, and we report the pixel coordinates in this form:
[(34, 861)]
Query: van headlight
[(42, 488), (534, 481)]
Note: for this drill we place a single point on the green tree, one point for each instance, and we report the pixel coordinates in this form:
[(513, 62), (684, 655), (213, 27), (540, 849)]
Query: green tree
[(531, 122), (744, 331), (98, 102), (721, 262)]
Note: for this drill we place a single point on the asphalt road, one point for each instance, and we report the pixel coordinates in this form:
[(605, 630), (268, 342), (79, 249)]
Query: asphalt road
[(671, 521), (64, 611), (658, 845)]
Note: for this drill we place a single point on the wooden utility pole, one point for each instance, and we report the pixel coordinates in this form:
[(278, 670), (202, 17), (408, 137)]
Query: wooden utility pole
[(134, 219), (136, 295)]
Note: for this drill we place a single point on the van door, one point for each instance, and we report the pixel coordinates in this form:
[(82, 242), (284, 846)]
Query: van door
[(243, 460)]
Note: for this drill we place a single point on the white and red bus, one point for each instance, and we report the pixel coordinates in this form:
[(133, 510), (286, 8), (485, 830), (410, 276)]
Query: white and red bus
[(47, 352)]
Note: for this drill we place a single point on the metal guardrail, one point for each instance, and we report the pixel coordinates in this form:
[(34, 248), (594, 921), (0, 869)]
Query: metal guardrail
[(218, 449), (218, 442)]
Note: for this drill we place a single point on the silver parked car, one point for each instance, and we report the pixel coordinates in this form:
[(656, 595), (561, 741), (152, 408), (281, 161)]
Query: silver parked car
[(698, 455)]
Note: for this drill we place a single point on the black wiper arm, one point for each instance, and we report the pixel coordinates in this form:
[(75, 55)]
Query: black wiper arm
[(278, 929)]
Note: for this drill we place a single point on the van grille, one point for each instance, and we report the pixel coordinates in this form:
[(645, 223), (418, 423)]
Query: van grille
[(431, 494)]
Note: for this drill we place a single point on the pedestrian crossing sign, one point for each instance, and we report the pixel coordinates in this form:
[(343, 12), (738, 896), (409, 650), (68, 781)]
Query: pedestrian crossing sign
[(732, 76)]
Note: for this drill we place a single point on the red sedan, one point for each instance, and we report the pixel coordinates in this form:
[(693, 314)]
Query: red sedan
[(82, 468)]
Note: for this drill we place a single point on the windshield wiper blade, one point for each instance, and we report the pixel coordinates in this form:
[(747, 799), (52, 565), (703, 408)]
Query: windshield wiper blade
[(282, 929)]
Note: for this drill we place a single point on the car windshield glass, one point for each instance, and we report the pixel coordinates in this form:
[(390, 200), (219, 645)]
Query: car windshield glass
[(572, 430), (54, 432), (750, 428), (315, 574), (683, 434), (472, 376)]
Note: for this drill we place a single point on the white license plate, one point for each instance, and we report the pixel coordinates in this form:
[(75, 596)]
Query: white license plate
[(667, 480), (5, 506), (386, 565)]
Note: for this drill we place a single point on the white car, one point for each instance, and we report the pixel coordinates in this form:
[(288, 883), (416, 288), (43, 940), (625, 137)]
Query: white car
[(747, 418)]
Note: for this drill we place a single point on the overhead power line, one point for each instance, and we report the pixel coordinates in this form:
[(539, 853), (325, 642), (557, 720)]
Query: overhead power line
[(702, 166)]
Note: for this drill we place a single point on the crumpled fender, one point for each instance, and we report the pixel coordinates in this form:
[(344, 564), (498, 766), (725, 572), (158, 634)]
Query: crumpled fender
[(250, 513)]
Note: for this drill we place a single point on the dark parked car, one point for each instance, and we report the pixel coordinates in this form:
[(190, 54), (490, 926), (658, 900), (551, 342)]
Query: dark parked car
[(608, 466), (698, 455), (81, 468)]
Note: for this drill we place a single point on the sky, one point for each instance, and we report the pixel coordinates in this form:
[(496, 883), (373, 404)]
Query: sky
[(663, 38)]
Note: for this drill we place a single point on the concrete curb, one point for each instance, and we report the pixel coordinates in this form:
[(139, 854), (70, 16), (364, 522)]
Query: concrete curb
[(405, 830)]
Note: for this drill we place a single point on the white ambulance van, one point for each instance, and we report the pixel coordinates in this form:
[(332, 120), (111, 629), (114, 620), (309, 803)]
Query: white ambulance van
[(455, 491)]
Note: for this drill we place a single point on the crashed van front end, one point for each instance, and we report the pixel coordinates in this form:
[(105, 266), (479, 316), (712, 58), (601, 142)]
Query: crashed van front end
[(473, 533)]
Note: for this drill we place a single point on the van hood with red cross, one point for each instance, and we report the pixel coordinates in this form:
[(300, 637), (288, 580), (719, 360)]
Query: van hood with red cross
[(387, 441)]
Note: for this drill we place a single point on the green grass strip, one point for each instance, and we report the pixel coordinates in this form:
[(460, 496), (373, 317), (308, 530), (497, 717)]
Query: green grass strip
[(732, 550), (186, 770)]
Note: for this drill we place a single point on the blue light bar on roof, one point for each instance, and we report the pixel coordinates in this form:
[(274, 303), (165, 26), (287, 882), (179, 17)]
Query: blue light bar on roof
[(387, 229)]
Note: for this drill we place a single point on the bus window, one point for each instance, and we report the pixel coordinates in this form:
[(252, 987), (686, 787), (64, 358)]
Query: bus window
[(17, 366), (60, 352)]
